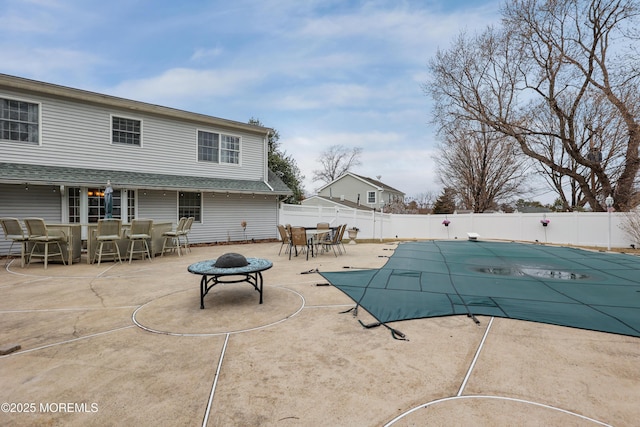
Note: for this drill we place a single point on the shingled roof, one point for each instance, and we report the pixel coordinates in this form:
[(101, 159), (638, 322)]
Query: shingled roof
[(17, 173), (377, 183)]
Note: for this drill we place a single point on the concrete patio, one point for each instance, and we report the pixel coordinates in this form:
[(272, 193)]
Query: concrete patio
[(127, 344)]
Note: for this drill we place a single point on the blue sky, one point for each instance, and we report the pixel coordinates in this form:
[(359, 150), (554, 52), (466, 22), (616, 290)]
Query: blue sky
[(321, 72)]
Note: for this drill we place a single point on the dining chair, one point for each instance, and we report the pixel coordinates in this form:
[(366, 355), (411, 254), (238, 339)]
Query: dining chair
[(13, 231), (334, 241), (139, 232), (341, 237), (284, 236), (299, 238), (110, 232), (175, 237), (40, 236)]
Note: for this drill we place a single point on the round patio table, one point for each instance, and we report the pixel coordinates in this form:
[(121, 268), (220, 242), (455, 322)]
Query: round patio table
[(211, 275)]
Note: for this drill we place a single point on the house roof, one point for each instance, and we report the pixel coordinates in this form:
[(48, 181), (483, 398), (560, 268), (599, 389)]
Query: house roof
[(370, 181), (345, 203), (378, 183), (42, 88), (15, 173)]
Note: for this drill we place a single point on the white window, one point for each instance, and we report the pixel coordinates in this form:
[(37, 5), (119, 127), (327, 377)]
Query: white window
[(126, 131), (19, 121), (371, 197), (230, 149), (218, 148)]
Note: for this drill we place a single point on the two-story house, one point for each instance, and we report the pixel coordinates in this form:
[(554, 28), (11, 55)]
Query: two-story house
[(59, 146), (355, 191)]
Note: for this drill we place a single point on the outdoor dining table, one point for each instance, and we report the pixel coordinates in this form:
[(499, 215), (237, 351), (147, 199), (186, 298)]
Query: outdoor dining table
[(314, 237), (212, 275)]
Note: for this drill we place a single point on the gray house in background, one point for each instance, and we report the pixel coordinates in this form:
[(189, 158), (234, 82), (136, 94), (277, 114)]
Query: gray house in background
[(60, 145), (355, 191)]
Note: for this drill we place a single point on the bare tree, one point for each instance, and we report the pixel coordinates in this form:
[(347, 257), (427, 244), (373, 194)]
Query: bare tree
[(480, 166), (425, 200), (336, 161), (560, 79)]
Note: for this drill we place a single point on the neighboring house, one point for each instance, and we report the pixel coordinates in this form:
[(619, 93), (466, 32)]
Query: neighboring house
[(355, 191), (60, 145)]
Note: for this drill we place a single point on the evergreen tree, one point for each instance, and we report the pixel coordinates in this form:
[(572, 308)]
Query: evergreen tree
[(445, 203), (283, 165)]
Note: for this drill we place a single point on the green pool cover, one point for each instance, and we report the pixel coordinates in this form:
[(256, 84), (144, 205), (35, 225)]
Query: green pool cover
[(557, 285)]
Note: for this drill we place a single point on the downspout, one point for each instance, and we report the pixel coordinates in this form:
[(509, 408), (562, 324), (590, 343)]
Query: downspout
[(265, 172)]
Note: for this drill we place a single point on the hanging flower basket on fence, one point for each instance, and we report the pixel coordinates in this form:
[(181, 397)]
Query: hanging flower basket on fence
[(544, 222), (446, 222)]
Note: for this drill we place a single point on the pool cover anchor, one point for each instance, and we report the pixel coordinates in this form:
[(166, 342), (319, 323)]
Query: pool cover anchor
[(473, 317)]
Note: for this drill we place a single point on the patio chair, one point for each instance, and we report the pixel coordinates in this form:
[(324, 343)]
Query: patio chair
[(299, 238), (324, 237), (41, 237), (335, 240), (284, 236), (140, 232), (175, 237), (185, 232), (341, 237), (110, 232), (13, 231)]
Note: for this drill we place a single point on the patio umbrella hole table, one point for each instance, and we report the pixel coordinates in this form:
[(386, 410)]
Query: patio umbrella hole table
[(211, 275)]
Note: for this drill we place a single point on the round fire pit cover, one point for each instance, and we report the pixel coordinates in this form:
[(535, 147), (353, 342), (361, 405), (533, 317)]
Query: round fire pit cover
[(231, 260)]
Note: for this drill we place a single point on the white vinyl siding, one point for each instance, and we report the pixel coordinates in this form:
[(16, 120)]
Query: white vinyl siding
[(43, 201), (221, 215), (161, 206), (79, 135)]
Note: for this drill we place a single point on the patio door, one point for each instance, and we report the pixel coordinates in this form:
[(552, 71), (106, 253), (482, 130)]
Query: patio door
[(86, 205)]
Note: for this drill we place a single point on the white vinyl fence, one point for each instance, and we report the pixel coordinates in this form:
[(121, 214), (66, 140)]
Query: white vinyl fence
[(571, 228)]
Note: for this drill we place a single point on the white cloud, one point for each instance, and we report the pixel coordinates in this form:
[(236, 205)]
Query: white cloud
[(201, 54), (177, 84), (330, 95), (56, 65)]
